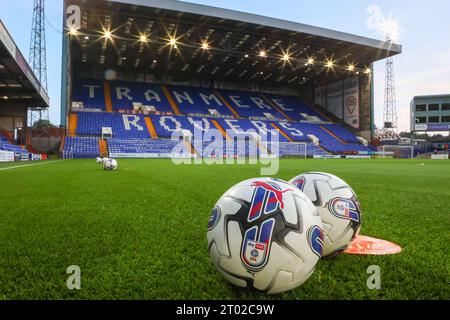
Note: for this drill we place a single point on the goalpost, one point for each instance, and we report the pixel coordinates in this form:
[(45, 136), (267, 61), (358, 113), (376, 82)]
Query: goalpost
[(67, 154), (398, 151)]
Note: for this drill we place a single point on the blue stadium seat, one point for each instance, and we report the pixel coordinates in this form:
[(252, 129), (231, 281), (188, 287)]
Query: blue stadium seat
[(342, 133), (245, 125), (81, 147), (327, 141), (123, 125), (294, 107), (165, 126), (123, 94), (161, 147), (90, 92), (249, 104), (197, 101), (6, 146)]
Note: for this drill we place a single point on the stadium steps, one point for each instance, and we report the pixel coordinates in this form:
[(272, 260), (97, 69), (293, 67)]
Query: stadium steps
[(151, 128), (29, 141), (190, 147), (281, 132), (263, 149), (325, 150), (172, 102), (221, 129), (108, 101), (73, 120), (103, 146), (324, 113), (333, 135), (225, 102), (61, 145), (273, 105)]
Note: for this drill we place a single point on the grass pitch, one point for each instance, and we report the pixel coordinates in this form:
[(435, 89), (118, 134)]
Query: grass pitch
[(140, 232)]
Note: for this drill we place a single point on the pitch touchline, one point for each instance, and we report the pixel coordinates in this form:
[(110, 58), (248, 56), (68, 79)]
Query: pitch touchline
[(28, 165)]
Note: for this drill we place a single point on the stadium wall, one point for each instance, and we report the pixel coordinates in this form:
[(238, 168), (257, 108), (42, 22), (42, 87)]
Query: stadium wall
[(366, 114), (365, 127)]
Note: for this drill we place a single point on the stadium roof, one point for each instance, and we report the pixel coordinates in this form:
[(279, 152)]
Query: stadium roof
[(215, 43), (434, 96), (17, 80)]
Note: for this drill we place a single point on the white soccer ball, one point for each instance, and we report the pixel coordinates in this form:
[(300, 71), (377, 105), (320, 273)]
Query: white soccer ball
[(265, 234), (99, 160), (110, 165), (338, 206)]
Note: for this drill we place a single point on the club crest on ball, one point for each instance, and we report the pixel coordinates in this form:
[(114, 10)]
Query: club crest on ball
[(345, 209)]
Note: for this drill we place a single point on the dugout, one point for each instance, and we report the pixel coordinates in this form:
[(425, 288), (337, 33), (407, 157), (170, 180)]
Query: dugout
[(19, 90)]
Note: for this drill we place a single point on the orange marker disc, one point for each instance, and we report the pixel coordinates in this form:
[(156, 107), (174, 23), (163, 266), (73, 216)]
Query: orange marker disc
[(372, 246)]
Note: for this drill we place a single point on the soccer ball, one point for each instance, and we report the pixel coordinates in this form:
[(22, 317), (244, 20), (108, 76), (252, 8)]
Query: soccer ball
[(265, 234), (110, 165), (99, 160), (338, 207)]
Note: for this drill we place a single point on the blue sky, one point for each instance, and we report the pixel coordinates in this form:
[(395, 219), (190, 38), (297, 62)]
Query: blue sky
[(422, 68)]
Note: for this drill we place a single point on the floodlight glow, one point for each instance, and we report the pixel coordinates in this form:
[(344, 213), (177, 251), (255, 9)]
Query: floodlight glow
[(262, 54), (86, 38), (172, 42), (154, 61), (246, 56), (310, 61), (367, 71), (286, 57), (107, 34), (73, 31), (390, 29), (351, 67), (205, 45), (329, 64), (5, 97), (143, 38)]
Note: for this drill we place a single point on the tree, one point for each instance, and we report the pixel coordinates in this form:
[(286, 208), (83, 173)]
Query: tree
[(43, 124)]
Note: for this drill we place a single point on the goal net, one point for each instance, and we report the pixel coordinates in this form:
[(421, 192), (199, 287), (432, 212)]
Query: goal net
[(67, 154), (398, 152), (288, 149)]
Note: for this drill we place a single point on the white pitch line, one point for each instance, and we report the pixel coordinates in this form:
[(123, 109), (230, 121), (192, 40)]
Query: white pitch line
[(29, 165)]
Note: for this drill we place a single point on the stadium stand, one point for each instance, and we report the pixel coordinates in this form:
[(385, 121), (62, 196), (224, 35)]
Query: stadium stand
[(177, 109)]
